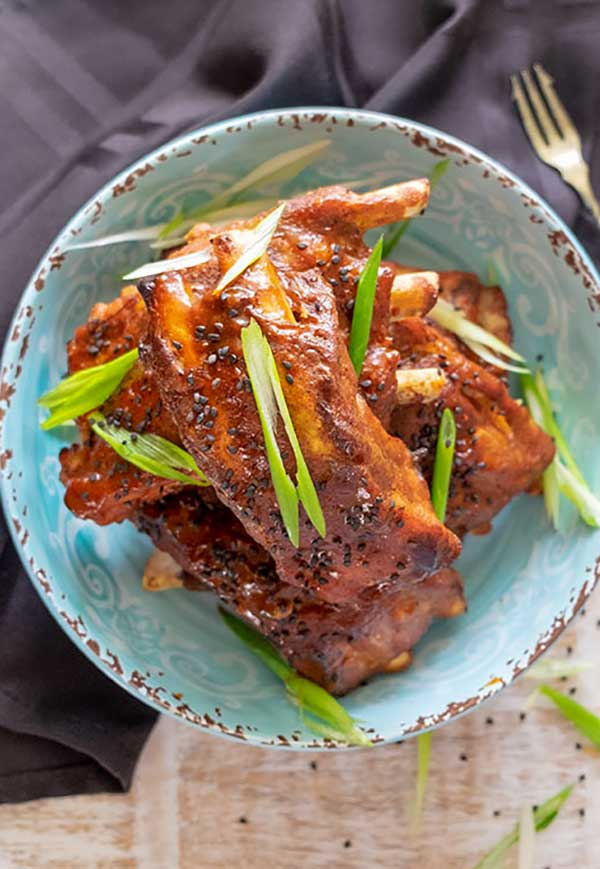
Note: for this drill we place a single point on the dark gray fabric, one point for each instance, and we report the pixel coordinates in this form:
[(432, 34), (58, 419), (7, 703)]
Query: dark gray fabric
[(86, 87)]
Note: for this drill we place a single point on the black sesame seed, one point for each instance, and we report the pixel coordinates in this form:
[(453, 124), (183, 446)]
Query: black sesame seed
[(243, 819), (209, 423), (335, 248), (223, 351), (210, 438), (233, 312), (216, 383), (302, 245), (321, 262), (177, 345), (313, 764), (347, 843), (463, 757), (522, 716), (489, 720), (333, 282), (232, 431), (212, 359), (218, 326), (213, 336), (380, 386), (496, 813), (578, 746), (289, 378), (232, 449), (350, 304), (582, 812), (366, 384), (213, 412), (287, 364), (335, 259)]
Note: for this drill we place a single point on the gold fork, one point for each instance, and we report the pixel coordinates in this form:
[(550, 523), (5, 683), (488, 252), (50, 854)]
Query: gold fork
[(552, 133)]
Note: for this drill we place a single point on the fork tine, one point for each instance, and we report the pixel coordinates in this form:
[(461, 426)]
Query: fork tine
[(531, 128), (563, 121), (543, 116)]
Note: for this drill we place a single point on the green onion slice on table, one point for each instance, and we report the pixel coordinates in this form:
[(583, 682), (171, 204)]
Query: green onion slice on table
[(542, 817)]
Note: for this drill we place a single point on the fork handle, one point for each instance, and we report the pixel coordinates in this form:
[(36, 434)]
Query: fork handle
[(579, 178)]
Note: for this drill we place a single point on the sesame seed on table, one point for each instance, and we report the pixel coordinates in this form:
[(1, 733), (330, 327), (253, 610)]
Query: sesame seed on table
[(198, 800)]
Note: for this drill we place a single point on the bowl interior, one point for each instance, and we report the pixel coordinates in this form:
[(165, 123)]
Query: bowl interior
[(523, 581)]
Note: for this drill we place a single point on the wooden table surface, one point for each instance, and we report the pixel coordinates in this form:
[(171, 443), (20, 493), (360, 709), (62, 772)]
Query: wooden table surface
[(201, 801)]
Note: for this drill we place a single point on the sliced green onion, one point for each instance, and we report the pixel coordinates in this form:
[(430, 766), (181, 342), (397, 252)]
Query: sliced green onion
[(563, 474), (188, 261), (256, 246), (281, 167), (257, 644), (453, 319), (150, 452), (395, 233), (423, 756), (491, 358), (363, 308), (584, 720), (579, 494), (305, 486), (216, 217), (442, 468), (85, 390), (552, 668), (542, 817), (268, 395), (526, 855), (321, 712), (145, 234)]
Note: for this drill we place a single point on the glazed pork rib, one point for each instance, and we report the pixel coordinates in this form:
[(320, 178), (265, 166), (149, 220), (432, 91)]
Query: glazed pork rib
[(500, 451), (99, 485), (336, 645), (380, 523)]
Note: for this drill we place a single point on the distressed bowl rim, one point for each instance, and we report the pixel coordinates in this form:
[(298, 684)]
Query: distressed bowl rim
[(584, 588)]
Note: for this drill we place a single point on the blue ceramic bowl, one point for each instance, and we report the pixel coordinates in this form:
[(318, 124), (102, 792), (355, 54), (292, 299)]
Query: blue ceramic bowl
[(523, 581)]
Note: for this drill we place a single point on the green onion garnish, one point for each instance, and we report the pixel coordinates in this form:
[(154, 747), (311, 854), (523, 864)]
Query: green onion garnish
[(187, 261), (542, 817), (255, 248), (145, 234), (363, 308), (85, 390), (281, 167), (269, 397), (423, 755), (584, 720), (478, 339), (563, 475), (321, 712), (395, 233), (150, 452), (553, 668), (442, 468)]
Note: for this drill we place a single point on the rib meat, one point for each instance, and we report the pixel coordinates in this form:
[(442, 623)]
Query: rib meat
[(337, 645), (380, 523), (500, 451), (99, 485)]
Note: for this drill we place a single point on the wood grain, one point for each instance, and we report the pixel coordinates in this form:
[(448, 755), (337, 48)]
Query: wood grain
[(192, 789)]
